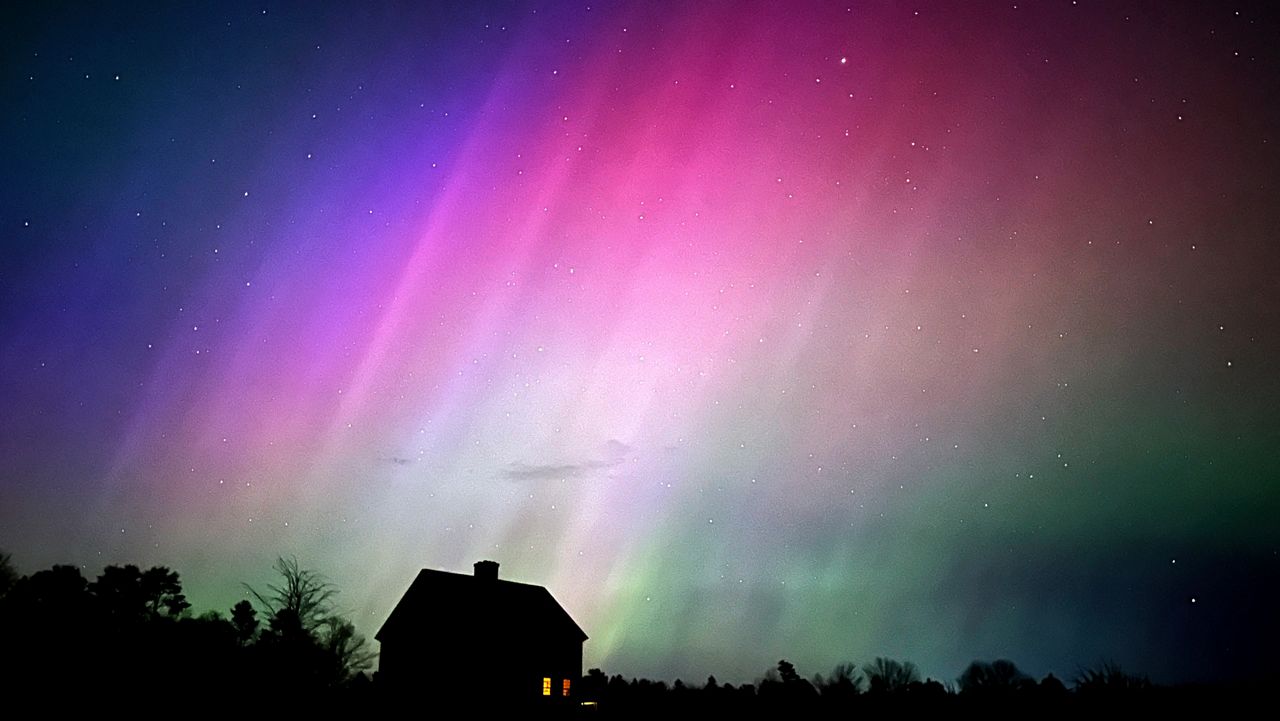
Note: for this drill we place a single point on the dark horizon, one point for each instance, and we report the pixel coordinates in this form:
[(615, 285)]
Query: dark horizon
[(171, 604), (290, 642), (755, 331)]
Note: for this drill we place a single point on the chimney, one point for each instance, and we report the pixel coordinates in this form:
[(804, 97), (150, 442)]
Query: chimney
[(487, 570)]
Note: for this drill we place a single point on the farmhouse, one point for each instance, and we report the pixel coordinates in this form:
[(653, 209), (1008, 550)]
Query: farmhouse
[(457, 634)]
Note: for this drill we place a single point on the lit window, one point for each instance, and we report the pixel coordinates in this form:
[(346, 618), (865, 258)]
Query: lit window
[(566, 687), (546, 686)]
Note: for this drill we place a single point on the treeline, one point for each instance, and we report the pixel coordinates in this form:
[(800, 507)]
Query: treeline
[(890, 686), (882, 685), (128, 640), (128, 637)]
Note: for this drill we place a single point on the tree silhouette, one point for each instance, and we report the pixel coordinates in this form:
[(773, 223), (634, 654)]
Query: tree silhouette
[(8, 574), (999, 676), (594, 685), (305, 635), (132, 595), (351, 654), (1052, 686), (58, 588), (786, 685), (885, 675), (245, 620), (1109, 678), (301, 601), (844, 682), (162, 593)]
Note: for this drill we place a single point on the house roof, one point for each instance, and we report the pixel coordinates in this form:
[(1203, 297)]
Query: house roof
[(463, 598)]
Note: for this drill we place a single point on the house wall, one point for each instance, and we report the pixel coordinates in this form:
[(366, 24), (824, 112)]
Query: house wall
[(502, 669)]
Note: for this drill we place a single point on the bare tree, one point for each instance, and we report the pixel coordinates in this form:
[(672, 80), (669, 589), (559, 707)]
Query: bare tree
[(890, 676), (303, 623), (303, 597), (350, 652), (844, 681)]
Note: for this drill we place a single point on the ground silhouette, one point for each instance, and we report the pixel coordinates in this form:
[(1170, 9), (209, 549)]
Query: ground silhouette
[(128, 639)]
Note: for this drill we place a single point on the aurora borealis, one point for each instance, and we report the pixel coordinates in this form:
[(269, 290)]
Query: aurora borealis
[(940, 331)]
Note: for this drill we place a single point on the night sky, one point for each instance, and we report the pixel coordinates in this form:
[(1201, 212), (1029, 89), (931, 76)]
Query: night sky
[(939, 331)]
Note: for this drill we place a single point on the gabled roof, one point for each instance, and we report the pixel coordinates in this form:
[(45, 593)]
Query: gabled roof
[(441, 597)]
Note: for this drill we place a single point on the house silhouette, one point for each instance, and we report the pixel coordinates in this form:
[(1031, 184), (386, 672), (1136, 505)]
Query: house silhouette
[(510, 643)]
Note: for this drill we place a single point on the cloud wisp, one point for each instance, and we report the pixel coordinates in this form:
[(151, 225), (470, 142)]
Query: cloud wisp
[(614, 453)]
